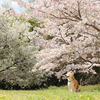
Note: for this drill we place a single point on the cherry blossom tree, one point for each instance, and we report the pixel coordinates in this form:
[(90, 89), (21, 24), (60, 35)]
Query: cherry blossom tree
[(75, 28)]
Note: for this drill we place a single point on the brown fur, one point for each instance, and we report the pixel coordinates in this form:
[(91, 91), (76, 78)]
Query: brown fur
[(73, 85)]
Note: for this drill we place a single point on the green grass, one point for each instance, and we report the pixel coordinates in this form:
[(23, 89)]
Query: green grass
[(53, 93)]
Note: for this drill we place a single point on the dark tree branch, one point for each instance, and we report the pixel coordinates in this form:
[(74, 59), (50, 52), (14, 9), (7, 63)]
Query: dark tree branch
[(92, 35), (85, 60), (63, 17), (98, 29), (79, 12), (16, 62), (64, 40), (72, 15), (7, 68)]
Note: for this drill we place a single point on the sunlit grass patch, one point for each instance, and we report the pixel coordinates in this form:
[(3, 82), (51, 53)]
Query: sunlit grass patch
[(91, 88), (91, 92)]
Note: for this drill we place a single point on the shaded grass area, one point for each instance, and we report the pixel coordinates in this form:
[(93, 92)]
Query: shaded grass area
[(91, 92)]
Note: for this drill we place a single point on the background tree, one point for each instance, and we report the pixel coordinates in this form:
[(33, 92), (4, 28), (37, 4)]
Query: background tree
[(17, 50)]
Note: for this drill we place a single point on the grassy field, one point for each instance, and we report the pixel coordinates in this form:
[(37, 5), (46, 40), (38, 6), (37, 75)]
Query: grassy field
[(53, 93)]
